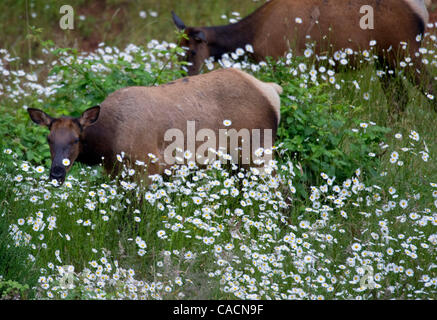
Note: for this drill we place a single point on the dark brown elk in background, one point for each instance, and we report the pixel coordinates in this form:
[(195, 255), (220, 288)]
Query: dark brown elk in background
[(332, 24), (135, 120)]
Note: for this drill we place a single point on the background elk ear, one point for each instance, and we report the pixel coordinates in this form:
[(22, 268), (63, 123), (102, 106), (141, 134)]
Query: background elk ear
[(177, 21), (89, 116), (199, 36), (39, 117)]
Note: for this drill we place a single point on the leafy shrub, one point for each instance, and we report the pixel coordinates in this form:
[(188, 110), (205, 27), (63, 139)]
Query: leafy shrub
[(12, 290), (320, 134)]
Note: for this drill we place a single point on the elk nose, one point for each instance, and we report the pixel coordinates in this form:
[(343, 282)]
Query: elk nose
[(57, 172)]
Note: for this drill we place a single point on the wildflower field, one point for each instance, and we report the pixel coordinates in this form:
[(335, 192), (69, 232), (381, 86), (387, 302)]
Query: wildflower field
[(349, 210)]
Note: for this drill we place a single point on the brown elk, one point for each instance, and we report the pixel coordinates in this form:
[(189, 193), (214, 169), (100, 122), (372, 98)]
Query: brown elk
[(136, 120), (332, 25)]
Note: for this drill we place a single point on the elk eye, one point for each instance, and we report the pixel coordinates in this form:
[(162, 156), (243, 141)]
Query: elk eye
[(193, 52), (76, 141), (49, 140)]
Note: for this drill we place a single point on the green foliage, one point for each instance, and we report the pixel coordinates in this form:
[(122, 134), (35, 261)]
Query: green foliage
[(13, 259), (12, 290), (320, 133), (14, 262), (88, 81)]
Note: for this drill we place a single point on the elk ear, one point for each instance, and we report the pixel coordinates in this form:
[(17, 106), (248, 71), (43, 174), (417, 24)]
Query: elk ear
[(39, 117), (89, 116), (177, 21), (199, 36)]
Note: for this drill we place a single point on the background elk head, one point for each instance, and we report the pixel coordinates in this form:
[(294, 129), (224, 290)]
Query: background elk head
[(196, 44)]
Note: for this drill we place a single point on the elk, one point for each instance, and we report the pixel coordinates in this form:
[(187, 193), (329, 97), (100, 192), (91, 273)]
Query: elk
[(279, 25), (136, 120)]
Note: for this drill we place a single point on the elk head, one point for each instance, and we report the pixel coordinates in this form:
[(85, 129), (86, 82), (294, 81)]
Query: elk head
[(65, 138), (197, 49)]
